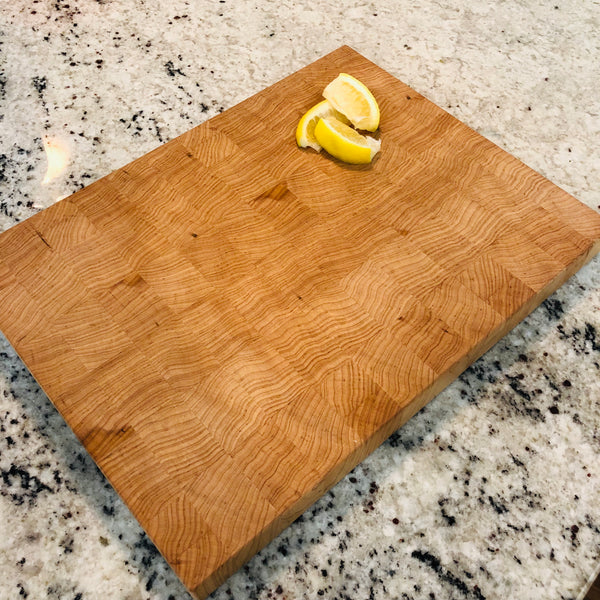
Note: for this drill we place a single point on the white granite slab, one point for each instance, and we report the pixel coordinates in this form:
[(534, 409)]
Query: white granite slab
[(492, 490)]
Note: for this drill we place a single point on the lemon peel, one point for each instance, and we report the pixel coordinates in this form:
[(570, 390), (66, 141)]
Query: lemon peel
[(305, 132), (345, 143)]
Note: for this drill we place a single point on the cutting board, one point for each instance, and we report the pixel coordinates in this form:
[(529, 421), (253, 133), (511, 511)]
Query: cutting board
[(230, 324)]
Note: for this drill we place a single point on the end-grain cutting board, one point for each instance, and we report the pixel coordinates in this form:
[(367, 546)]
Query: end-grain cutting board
[(230, 324)]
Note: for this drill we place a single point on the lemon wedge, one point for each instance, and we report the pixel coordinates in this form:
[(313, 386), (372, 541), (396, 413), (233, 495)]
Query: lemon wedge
[(345, 143), (305, 132), (354, 100)]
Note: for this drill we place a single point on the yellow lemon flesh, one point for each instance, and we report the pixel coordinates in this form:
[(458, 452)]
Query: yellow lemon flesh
[(345, 143), (354, 100), (305, 132)]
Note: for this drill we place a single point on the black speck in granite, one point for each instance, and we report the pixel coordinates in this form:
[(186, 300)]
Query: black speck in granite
[(4, 164), (66, 9), (498, 505), (582, 342), (521, 401), (20, 486), (446, 575), (151, 580), (145, 551), (484, 372), (449, 519), (518, 462), (551, 383), (574, 531), (138, 123), (155, 127), (67, 544), (516, 386), (172, 70), (40, 84), (591, 337), (11, 171)]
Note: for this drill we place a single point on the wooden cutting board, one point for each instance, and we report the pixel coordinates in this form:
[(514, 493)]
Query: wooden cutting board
[(230, 324)]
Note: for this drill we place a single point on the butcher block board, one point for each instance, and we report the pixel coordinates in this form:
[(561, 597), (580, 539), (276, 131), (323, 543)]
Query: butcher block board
[(230, 324)]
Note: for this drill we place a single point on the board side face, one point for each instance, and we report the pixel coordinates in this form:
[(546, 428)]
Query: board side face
[(230, 324)]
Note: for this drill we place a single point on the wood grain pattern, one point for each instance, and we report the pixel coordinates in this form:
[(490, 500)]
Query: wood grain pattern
[(230, 324)]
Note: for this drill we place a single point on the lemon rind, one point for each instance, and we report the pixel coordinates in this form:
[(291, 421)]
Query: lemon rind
[(342, 148), (320, 110)]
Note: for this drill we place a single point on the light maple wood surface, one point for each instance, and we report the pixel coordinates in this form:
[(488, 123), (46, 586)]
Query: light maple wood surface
[(230, 324)]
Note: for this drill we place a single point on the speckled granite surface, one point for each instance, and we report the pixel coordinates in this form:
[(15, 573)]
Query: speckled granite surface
[(492, 490)]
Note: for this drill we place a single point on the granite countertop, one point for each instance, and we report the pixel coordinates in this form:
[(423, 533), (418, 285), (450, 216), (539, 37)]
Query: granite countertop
[(492, 490)]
